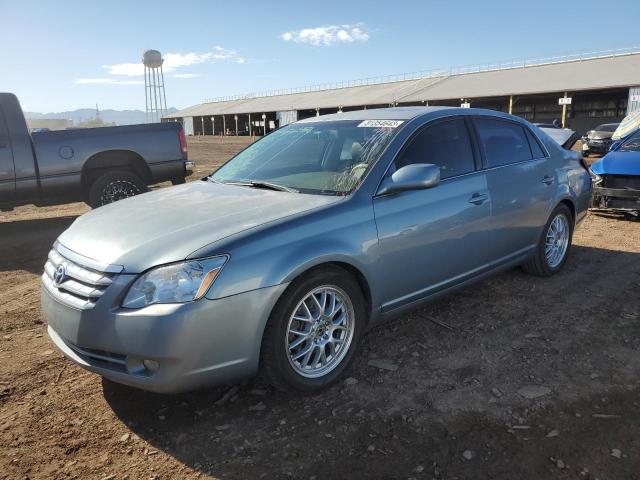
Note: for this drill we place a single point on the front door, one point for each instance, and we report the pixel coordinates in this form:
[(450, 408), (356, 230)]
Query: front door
[(431, 239), (7, 171)]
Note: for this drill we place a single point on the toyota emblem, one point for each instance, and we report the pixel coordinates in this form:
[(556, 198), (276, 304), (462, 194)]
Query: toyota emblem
[(59, 275)]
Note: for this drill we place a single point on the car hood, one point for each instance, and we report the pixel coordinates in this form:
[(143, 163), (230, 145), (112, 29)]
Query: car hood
[(618, 163), (167, 225)]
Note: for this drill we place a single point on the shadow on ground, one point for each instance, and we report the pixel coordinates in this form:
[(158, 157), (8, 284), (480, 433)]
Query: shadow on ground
[(24, 244), (453, 407)]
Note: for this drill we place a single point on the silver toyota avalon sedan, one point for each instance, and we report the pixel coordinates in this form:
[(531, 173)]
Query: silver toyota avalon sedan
[(283, 258)]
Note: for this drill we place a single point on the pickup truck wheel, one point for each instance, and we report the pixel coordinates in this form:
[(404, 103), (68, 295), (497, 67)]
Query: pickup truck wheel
[(178, 181), (554, 245), (313, 331), (113, 186)]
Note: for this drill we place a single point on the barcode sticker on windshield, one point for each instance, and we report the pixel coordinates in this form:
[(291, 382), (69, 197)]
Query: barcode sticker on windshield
[(381, 123)]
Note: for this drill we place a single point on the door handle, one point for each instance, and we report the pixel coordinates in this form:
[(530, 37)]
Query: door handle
[(478, 198), (547, 179)]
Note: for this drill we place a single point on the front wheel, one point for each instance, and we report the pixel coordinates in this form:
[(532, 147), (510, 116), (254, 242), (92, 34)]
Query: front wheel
[(554, 245), (313, 331)]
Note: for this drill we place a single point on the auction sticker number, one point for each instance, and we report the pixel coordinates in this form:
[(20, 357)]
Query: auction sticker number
[(381, 123)]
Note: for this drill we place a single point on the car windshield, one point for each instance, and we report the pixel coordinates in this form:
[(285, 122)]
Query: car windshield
[(321, 157), (607, 127), (631, 145)]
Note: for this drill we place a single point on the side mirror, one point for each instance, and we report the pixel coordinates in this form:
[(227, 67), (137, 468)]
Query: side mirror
[(417, 176)]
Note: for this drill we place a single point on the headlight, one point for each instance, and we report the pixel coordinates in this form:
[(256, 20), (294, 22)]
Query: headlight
[(594, 176), (174, 283)]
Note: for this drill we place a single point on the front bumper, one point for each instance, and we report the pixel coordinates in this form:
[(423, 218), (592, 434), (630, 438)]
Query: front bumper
[(195, 344), (616, 199)]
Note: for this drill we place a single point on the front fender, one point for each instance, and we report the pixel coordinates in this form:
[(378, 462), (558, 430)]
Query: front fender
[(282, 251)]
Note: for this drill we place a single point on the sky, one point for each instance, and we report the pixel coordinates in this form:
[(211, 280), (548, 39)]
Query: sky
[(67, 54)]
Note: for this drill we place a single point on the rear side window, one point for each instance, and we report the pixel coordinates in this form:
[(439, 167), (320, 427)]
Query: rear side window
[(445, 144), (536, 149), (503, 142)]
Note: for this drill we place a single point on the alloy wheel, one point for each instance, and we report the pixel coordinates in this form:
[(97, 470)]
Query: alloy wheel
[(320, 331), (557, 240), (118, 190)]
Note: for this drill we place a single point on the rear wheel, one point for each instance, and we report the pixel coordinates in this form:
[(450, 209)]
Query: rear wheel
[(313, 331), (554, 245), (113, 186)]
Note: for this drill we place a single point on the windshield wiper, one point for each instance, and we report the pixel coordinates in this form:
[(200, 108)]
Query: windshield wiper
[(264, 185)]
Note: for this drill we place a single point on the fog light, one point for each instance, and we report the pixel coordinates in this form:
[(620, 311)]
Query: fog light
[(151, 365)]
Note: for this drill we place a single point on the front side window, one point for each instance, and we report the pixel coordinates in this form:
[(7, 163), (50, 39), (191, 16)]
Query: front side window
[(445, 144), (324, 157), (503, 142)]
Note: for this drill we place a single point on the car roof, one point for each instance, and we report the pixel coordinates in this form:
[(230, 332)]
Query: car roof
[(401, 113)]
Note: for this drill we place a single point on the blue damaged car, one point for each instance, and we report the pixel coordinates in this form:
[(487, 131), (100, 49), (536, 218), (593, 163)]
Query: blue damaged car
[(617, 177)]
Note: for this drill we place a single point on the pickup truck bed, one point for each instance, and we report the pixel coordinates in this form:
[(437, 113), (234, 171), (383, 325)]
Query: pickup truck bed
[(96, 165)]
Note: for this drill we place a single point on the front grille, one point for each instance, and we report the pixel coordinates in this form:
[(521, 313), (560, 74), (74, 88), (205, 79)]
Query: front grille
[(625, 182), (78, 286)]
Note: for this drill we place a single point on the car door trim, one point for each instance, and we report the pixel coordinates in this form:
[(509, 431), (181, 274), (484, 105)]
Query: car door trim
[(427, 292)]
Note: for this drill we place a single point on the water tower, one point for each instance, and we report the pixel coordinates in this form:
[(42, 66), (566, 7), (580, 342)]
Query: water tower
[(155, 99)]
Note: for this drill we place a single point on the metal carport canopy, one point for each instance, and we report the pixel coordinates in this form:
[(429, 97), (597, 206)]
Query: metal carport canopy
[(377, 94), (572, 76), (623, 71)]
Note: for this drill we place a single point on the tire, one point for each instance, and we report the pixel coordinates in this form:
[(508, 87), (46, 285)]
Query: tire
[(178, 181), (542, 263), (113, 186), (277, 362)]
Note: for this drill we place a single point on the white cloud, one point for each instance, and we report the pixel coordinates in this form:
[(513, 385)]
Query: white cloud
[(328, 35), (173, 61), (187, 75), (126, 69), (106, 81), (176, 61)]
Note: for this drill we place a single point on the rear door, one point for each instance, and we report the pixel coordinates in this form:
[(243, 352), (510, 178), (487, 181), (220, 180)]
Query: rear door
[(521, 182), (431, 239), (7, 170)]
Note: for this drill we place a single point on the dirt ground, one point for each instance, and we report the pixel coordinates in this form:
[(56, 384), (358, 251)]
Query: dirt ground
[(516, 377)]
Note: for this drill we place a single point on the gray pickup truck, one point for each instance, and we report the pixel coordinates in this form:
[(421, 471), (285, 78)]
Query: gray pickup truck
[(95, 165)]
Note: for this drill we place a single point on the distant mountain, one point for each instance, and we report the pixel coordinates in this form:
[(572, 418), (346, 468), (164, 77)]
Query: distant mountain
[(119, 117)]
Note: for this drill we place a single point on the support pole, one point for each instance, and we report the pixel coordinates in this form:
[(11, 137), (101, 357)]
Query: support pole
[(213, 126), (154, 101), (224, 126), (510, 104), (235, 117), (202, 123), (146, 95), (164, 95), (250, 126), (564, 112)]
